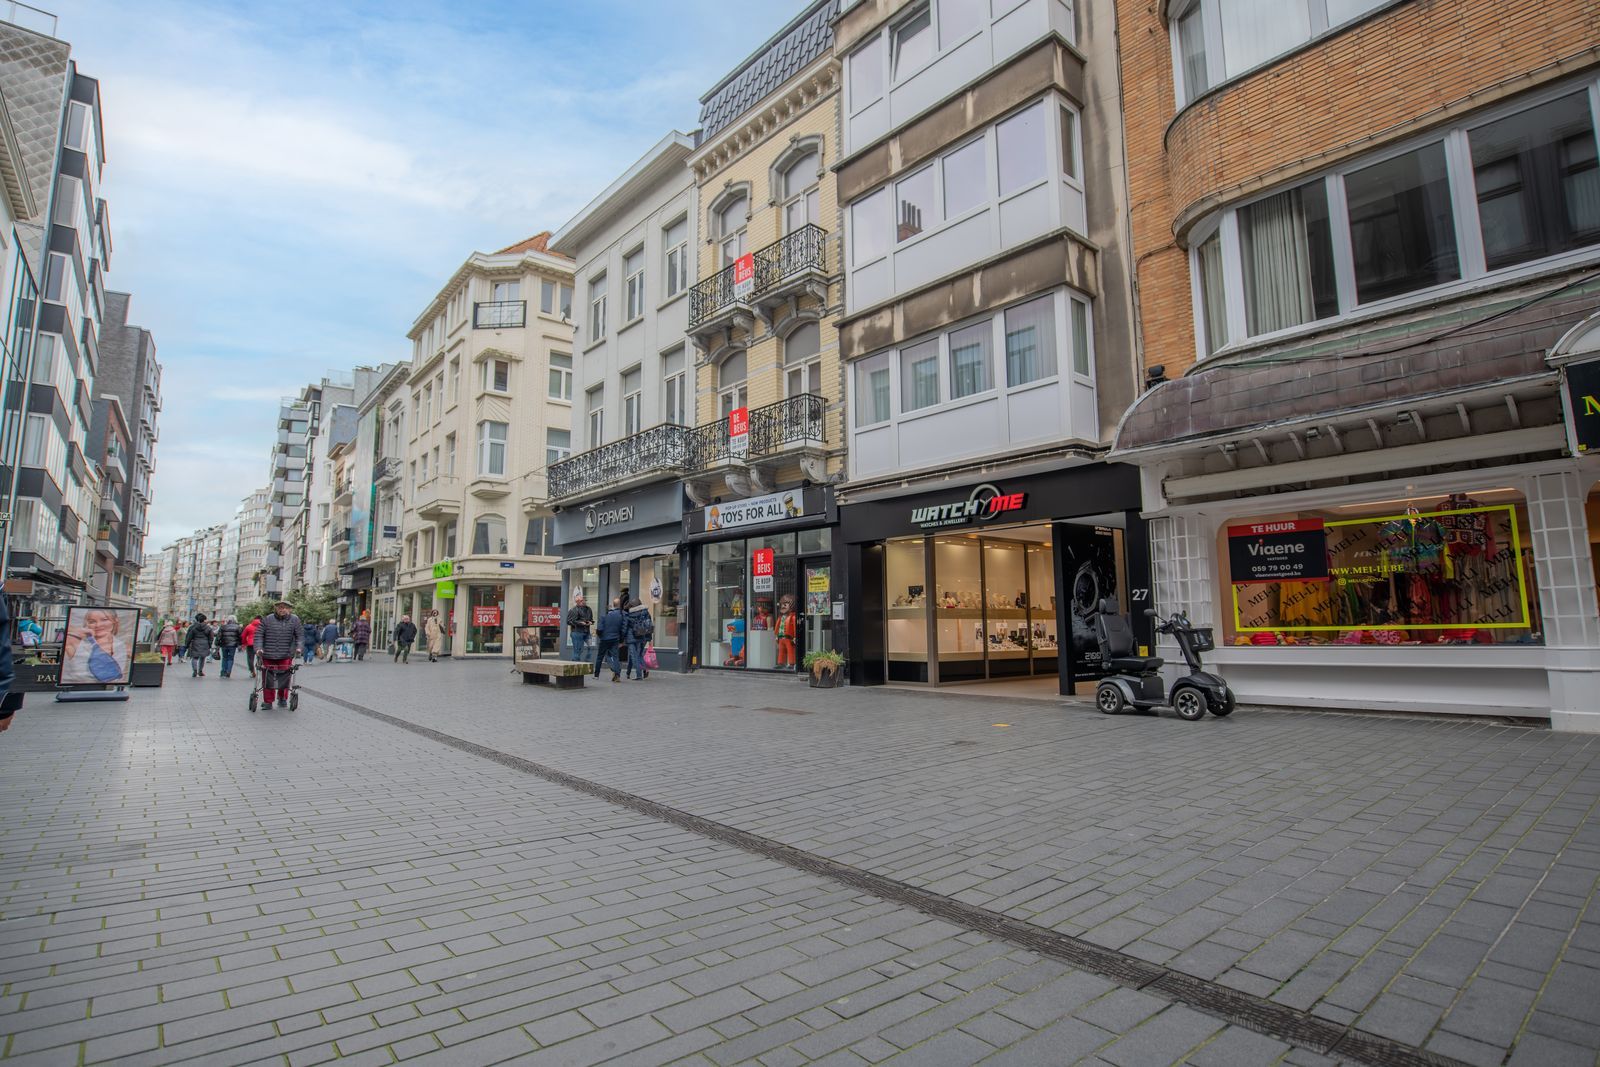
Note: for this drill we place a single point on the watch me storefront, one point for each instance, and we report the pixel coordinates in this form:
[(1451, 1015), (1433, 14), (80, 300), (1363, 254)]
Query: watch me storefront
[(763, 576), (993, 579), (626, 545)]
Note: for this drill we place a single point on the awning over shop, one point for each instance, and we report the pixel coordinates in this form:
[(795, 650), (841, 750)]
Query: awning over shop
[(604, 558), (1437, 351)]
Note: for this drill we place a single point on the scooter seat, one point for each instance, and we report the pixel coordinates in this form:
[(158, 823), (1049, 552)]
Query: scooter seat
[(1135, 664)]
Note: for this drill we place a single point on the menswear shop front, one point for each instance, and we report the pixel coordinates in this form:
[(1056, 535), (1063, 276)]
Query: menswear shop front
[(994, 578), (627, 545)]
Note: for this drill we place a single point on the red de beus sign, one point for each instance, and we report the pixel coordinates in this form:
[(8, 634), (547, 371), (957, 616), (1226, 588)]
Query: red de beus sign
[(1288, 550), (761, 569), (739, 431), (744, 275)]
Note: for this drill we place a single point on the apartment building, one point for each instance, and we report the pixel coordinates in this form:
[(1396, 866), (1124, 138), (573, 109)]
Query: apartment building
[(18, 295), (154, 589), (614, 467), (253, 515), (110, 445), (328, 539), (55, 113), (987, 334), (377, 505), (475, 444), (769, 442), (1367, 246), (131, 375), (288, 473)]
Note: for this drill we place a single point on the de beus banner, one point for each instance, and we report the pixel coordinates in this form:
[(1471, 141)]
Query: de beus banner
[(1289, 550)]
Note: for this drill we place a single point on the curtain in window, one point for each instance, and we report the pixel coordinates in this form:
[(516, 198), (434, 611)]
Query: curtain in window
[(1212, 306), (1277, 263), (1030, 342), (969, 360), (919, 376), (1253, 31)]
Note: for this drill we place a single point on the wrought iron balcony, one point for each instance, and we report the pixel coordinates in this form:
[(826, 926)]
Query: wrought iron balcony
[(499, 314), (779, 268), (663, 448), (794, 422), (386, 470)]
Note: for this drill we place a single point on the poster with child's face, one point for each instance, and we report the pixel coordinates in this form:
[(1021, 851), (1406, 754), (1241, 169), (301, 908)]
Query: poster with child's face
[(98, 649)]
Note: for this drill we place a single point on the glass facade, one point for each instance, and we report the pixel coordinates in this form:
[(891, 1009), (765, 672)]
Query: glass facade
[(485, 621), (766, 601)]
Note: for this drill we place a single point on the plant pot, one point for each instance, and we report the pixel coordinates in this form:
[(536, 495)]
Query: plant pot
[(147, 675), (822, 677)]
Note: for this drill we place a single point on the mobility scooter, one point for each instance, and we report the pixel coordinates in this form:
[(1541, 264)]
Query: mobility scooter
[(1135, 680)]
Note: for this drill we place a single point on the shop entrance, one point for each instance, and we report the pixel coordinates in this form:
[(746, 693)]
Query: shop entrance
[(975, 607), (767, 601)]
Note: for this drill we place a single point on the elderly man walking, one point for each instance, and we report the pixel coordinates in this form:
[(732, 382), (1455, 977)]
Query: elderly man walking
[(580, 622), (278, 639)]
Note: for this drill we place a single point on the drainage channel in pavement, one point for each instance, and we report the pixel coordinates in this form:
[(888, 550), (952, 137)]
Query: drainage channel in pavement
[(1232, 1006)]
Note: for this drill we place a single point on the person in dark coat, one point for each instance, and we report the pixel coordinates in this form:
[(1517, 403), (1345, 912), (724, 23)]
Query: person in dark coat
[(197, 646), (405, 634), (10, 703), (278, 641), (330, 634), (640, 631), (310, 636), (361, 634), (611, 628), (230, 635)]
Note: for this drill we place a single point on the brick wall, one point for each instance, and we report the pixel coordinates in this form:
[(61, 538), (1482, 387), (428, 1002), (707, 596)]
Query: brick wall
[(1395, 74)]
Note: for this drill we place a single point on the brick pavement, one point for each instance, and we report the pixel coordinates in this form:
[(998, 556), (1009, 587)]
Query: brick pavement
[(180, 880)]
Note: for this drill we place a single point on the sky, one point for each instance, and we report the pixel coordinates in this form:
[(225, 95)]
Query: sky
[(289, 183)]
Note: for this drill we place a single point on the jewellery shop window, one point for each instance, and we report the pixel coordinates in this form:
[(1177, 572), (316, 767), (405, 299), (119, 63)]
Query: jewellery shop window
[(1445, 570)]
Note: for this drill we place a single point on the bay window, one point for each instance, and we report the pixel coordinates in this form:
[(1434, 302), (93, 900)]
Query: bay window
[(1215, 40), (1513, 187), (912, 43), (1022, 146), (970, 360), (492, 448), (873, 401), (919, 375), (1030, 341), (915, 207), (966, 179)]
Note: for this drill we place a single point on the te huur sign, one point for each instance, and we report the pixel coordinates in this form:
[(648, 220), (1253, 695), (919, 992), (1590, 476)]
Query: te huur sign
[(1583, 406), (1290, 550)]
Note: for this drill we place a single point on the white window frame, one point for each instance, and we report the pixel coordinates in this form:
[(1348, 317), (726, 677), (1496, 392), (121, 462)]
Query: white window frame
[(810, 194), (491, 368), (595, 406), (1461, 182), (554, 453), (486, 451), (633, 284), (632, 402), (597, 308), (675, 259), (559, 387)]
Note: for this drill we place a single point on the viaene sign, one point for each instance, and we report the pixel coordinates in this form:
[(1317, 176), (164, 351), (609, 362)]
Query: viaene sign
[(984, 504)]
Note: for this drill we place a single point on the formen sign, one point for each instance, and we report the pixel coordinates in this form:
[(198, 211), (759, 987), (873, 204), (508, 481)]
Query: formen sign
[(985, 503)]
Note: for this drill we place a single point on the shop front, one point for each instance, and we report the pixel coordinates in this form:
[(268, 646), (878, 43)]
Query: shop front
[(627, 546), (764, 578), (993, 580)]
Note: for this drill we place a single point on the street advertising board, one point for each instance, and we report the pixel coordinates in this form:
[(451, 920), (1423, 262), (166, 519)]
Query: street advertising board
[(744, 275), (485, 615), (739, 431), (97, 646), (543, 616), (1288, 550), (1583, 406), (761, 567)]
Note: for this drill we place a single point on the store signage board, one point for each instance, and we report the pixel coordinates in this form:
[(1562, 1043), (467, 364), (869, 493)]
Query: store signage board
[(761, 570), (444, 568), (445, 590), (739, 431), (984, 504), (485, 615), (1293, 550), (756, 511), (744, 276), (1582, 397), (538, 616)]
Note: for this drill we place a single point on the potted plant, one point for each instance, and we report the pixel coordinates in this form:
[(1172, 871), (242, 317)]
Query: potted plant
[(824, 668), (148, 670)]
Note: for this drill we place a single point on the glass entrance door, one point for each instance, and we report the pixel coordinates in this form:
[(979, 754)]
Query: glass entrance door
[(817, 599)]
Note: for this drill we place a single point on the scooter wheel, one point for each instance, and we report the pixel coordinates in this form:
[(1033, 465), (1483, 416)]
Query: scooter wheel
[(1189, 703), (1109, 699), (1225, 707)]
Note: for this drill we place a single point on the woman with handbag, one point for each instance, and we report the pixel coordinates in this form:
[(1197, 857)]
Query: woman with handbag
[(640, 630)]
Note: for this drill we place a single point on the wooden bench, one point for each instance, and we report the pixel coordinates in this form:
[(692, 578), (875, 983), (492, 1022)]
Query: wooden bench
[(561, 673)]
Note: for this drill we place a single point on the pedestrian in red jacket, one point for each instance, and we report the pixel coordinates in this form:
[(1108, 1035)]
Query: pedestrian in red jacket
[(248, 639)]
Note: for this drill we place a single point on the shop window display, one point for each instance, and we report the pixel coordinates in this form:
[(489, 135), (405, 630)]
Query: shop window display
[(1445, 570), (723, 641)]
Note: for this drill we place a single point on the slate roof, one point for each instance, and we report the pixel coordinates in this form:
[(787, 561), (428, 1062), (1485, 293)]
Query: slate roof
[(1453, 349), (790, 51)]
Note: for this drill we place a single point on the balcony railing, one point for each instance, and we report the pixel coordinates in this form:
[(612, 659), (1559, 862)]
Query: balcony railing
[(498, 314), (796, 421), (806, 249), (660, 448), (386, 470)]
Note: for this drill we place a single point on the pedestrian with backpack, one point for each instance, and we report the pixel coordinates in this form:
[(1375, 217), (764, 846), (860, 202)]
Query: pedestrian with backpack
[(640, 631)]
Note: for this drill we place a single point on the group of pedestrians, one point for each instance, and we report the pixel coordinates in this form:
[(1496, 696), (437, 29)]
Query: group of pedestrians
[(199, 640), (626, 623), (405, 635)]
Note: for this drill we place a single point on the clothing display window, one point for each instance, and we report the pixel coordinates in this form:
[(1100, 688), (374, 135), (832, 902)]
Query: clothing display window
[(486, 609), (1455, 569), (658, 580)]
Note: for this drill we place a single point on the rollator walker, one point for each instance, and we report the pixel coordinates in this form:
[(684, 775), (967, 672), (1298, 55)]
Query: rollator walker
[(281, 679)]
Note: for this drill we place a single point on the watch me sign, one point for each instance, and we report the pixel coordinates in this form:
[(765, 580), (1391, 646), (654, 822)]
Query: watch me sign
[(1291, 550), (984, 504)]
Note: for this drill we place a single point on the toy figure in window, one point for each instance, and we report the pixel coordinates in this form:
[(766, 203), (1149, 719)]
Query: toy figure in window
[(788, 629)]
